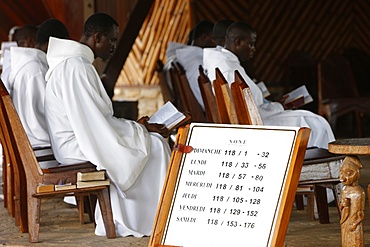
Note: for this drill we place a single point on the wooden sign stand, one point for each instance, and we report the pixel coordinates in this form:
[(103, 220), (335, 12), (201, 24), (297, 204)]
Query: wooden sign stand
[(228, 201)]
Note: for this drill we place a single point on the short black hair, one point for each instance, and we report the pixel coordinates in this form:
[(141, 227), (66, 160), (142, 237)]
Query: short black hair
[(27, 31), (202, 27), (99, 22), (219, 30), (239, 29), (51, 28)]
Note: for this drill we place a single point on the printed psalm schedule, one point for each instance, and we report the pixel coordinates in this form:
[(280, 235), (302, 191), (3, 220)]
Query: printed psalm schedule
[(231, 185)]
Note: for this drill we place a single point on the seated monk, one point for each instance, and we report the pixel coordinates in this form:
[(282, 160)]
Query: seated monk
[(191, 56), (239, 48), (27, 77), (82, 128)]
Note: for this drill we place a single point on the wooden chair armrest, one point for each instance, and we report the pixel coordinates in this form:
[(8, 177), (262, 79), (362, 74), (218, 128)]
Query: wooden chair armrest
[(64, 168)]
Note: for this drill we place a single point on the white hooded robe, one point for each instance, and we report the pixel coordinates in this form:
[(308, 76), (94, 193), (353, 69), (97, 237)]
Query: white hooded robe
[(27, 89), (82, 127)]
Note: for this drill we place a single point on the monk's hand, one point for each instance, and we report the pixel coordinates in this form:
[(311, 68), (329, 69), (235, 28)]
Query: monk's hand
[(158, 128), (282, 101), (144, 120), (153, 127)]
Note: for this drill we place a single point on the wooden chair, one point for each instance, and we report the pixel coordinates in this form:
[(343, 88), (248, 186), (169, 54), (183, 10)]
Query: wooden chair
[(321, 170), (10, 190), (314, 156), (42, 154), (30, 173), (182, 88), (247, 113), (11, 181), (337, 92), (208, 97)]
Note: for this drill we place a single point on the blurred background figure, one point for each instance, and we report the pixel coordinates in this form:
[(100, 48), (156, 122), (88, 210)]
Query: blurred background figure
[(26, 36), (219, 31), (12, 33)]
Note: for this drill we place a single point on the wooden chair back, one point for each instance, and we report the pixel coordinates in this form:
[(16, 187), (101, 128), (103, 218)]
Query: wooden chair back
[(31, 174), (182, 88), (179, 98), (224, 100), (208, 97), (246, 108), (164, 85), (12, 171), (15, 175)]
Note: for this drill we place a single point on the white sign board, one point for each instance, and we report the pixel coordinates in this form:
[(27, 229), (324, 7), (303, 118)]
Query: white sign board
[(229, 187)]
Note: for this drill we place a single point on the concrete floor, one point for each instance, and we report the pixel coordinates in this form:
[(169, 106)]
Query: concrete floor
[(60, 227)]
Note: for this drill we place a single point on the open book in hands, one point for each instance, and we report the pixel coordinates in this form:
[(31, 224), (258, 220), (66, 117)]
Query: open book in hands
[(169, 116), (297, 98)]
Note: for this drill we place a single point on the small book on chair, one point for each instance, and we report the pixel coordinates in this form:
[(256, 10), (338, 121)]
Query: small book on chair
[(297, 98), (86, 184), (169, 116), (91, 176), (67, 186), (45, 188)]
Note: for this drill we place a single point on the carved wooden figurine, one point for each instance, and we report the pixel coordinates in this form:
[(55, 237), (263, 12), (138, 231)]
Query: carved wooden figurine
[(352, 203)]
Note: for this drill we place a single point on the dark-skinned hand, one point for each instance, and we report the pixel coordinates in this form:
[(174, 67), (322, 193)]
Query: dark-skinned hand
[(151, 127), (282, 101)]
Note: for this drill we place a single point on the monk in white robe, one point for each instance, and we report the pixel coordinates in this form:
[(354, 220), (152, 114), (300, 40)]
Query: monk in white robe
[(82, 127), (5, 59), (190, 56), (27, 80), (171, 58), (239, 47), (22, 37)]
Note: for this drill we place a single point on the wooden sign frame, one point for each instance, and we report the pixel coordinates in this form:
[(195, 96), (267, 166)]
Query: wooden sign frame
[(282, 205)]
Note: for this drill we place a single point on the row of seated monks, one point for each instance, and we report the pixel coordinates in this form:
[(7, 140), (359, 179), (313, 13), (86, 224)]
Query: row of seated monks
[(62, 104)]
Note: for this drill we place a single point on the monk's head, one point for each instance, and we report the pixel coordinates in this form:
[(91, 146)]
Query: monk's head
[(240, 39), (219, 31), (101, 35), (26, 36), (201, 35), (50, 28)]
